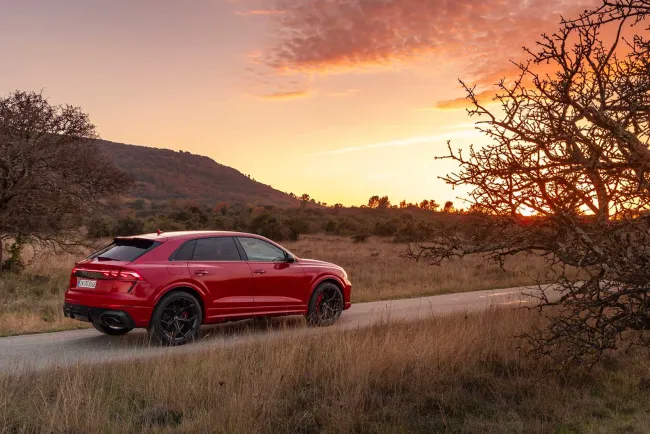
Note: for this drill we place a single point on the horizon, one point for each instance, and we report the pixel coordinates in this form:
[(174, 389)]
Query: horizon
[(341, 101)]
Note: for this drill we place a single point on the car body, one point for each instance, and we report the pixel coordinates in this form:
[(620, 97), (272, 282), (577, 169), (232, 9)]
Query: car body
[(233, 275)]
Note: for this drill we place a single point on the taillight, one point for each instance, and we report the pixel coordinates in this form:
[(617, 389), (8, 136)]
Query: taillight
[(73, 279), (129, 275), (122, 275)]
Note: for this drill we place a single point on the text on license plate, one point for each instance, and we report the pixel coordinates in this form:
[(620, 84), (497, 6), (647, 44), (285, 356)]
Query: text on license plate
[(85, 283)]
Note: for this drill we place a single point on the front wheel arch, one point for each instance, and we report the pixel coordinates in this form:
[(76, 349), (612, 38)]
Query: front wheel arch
[(330, 279)]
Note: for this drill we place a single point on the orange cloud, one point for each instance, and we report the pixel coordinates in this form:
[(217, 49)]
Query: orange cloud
[(325, 36), (288, 95), (484, 97), (255, 54), (342, 93), (403, 142), (257, 12)]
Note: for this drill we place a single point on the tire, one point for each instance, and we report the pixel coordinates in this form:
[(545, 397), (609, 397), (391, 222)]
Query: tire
[(176, 319), (325, 305), (111, 331)]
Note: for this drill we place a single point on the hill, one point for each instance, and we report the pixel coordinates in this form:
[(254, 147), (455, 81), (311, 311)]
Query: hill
[(163, 174)]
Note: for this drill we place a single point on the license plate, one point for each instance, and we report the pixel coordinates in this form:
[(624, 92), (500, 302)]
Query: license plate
[(85, 283)]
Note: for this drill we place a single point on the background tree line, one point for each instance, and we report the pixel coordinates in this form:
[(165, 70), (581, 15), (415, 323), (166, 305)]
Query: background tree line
[(134, 216)]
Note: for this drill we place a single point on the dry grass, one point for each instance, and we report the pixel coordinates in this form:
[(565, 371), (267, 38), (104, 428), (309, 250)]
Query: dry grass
[(378, 273), (449, 374), (32, 302)]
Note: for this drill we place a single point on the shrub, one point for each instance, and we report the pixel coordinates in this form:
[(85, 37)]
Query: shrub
[(128, 226), (330, 226), (386, 228), (410, 231), (296, 226), (268, 226), (359, 238), (15, 262), (347, 226), (162, 223), (99, 227)]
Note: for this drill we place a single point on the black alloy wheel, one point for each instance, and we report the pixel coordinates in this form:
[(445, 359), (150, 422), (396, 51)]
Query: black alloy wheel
[(325, 305), (176, 319)]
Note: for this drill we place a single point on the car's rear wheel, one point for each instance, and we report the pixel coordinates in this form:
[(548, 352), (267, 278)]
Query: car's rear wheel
[(111, 330), (176, 319), (325, 305)]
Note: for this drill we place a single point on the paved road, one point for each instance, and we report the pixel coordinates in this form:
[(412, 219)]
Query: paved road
[(89, 346)]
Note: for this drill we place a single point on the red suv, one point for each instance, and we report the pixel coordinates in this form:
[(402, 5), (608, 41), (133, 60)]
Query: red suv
[(171, 283)]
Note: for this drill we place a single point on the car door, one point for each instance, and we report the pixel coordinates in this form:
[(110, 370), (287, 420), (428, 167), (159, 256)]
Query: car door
[(225, 276), (278, 285)]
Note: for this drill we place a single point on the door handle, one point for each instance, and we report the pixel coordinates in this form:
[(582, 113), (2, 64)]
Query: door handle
[(201, 272), (259, 271)]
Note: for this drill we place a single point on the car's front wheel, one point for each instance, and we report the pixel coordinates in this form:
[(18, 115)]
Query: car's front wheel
[(176, 319), (325, 305), (111, 331)]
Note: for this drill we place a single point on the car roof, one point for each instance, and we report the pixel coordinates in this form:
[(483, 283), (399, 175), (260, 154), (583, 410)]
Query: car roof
[(165, 236)]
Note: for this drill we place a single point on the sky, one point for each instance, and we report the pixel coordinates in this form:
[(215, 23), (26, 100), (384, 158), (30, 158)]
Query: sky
[(340, 99)]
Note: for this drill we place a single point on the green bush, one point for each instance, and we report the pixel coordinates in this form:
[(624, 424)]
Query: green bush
[(410, 231), (128, 226), (348, 226), (330, 226), (15, 262), (99, 227), (268, 225), (387, 228), (296, 226), (162, 223), (359, 238)]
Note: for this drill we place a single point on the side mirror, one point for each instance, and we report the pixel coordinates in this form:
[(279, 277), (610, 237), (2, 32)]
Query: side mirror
[(290, 258)]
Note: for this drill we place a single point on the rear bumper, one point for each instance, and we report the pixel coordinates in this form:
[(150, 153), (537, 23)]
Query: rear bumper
[(90, 307), (109, 317)]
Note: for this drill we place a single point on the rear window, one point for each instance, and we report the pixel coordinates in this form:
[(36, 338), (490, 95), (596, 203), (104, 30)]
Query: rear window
[(126, 250)]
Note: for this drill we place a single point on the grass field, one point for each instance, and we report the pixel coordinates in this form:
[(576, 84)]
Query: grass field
[(31, 302), (447, 374)]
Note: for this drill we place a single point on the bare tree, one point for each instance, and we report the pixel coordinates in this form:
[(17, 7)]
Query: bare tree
[(569, 149), (51, 174)]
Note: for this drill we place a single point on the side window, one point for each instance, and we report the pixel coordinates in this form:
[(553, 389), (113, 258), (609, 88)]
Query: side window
[(185, 252), (259, 250), (216, 249)]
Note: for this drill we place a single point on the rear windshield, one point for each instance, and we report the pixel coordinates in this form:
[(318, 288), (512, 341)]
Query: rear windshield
[(125, 250)]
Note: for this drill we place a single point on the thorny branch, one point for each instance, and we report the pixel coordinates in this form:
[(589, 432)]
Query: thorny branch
[(565, 174)]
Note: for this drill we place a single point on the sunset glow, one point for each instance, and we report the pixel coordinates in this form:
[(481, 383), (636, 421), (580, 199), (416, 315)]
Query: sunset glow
[(338, 99)]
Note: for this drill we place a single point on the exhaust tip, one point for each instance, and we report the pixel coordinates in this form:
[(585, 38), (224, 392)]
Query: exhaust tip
[(112, 321)]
